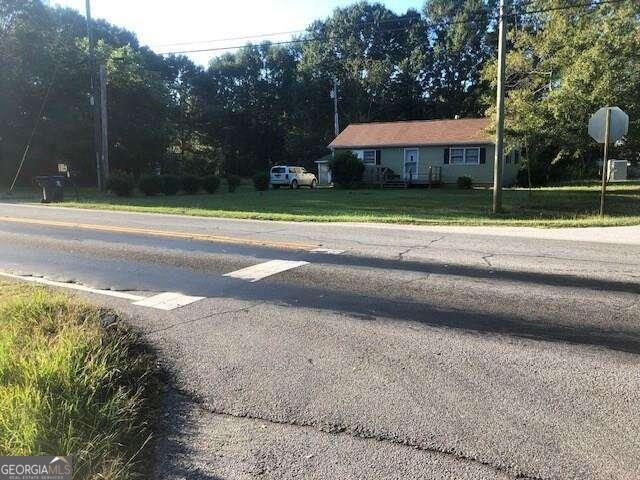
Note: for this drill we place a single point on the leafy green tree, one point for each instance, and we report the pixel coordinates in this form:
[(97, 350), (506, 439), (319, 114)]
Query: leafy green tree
[(563, 65), (44, 64), (248, 99), (369, 49), (460, 41), (267, 104), (190, 149), (139, 108)]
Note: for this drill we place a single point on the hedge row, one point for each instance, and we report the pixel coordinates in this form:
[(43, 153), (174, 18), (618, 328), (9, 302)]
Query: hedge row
[(123, 184)]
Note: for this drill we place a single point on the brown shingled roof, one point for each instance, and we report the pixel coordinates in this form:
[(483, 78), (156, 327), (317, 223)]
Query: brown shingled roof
[(413, 133)]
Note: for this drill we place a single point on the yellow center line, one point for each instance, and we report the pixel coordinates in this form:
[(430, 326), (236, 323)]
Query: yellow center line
[(164, 233)]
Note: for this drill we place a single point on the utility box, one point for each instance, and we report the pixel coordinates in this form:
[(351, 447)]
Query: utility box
[(324, 172), (617, 170)]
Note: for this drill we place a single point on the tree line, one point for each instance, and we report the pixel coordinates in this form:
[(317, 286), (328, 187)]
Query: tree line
[(269, 103)]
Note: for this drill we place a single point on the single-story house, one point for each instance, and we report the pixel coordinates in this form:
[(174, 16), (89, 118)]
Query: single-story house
[(453, 148)]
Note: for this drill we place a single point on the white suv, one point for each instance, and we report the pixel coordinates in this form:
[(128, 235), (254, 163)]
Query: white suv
[(292, 177)]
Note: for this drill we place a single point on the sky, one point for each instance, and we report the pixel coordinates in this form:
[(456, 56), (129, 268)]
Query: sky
[(161, 24)]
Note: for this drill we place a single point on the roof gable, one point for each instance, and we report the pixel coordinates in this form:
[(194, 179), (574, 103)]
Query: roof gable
[(413, 133)]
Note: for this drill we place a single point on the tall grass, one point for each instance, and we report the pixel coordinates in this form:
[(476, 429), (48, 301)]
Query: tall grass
[(70, 387)]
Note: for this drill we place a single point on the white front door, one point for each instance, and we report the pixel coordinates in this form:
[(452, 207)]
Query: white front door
[(411, 164)]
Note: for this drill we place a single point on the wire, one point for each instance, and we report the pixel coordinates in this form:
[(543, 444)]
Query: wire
[(476, 14), (401, 18), (234, 47), (35, 127), (215, 40), (410, 20), (39, 117), (309, 40), (575, 5)]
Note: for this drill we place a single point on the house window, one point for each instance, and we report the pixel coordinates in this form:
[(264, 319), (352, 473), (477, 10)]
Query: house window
[(464, 156), (369, 157), (456, 156), (472, 156)]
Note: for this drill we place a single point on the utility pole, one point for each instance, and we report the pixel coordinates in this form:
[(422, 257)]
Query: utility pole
[(93, 96), (499, 153), (103, 118), (605, 160), (334, 95)]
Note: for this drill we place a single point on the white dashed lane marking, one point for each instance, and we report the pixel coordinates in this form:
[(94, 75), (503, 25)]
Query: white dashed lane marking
[(167, 301), (173, 300), (266, 269)]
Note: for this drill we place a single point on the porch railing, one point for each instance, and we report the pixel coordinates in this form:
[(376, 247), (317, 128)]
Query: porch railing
[(378, 175), (432, 176)]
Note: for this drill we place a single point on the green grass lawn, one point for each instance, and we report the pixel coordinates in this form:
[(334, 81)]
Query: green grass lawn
[(575, 205), (70, 387)]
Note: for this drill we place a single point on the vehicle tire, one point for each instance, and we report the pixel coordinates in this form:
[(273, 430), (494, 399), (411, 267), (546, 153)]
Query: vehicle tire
[(313, 184), (275, 187), (294, 184)]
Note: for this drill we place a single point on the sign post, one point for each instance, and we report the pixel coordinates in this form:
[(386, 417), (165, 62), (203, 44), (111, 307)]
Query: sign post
[(607, 125), (605, 160)]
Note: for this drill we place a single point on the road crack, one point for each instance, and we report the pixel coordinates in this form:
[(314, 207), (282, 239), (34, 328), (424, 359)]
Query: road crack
[(404, 252), (415, 247), (442, 237), (358, 432), (206, 317), (486, 259)]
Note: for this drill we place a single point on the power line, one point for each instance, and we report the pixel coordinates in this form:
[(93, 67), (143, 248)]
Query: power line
[(476, 16), (315, 39), (399, 19), (234, 47), (575, 5), (227, 39), (409, 20), (283, 42), (405, 18)]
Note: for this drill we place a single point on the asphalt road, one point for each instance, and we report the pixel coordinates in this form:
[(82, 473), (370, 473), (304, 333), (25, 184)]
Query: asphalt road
[(404, 352)]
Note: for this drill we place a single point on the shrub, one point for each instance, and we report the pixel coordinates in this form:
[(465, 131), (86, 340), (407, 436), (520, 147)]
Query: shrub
[(233, 182), (346, 170), (261, 181), (465, 182), (150, 184), (170, 184), (191, 184), (211, 183), (120, 184)]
